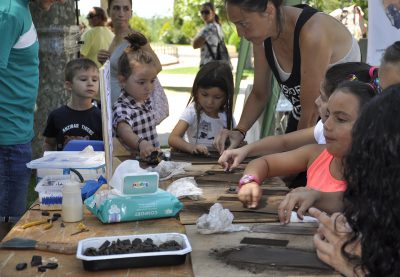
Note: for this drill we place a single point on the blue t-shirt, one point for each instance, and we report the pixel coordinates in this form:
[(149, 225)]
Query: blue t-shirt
[(19, 72)]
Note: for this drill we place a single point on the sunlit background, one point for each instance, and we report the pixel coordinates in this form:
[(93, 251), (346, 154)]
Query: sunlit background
[(142, 8)]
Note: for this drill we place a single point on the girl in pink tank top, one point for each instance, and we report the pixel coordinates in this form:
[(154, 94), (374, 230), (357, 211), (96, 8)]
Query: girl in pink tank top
[(324, 162)]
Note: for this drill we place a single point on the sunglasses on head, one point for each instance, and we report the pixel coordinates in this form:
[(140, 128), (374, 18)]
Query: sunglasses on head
[(206, 12), (91, 15)]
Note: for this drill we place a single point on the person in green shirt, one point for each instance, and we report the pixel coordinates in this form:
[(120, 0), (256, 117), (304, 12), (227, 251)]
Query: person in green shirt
[(19, 80)]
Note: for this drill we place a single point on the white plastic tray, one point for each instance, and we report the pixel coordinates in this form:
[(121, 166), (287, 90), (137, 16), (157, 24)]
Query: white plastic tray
[(144, 259)]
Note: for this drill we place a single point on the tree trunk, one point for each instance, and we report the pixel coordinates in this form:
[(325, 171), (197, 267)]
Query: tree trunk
[(58, 35)]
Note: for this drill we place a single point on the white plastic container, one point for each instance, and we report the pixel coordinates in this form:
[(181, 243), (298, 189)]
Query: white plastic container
[(50, 191), (72, 207), (145, 259)]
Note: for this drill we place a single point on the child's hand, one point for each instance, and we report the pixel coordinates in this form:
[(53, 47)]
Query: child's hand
[(333, 232), (231, 159), (300, 198), (199, 149), (250, 194), (146, 148), (235, 138)]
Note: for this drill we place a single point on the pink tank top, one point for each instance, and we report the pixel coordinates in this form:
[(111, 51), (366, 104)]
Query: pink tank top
[(320, 178)]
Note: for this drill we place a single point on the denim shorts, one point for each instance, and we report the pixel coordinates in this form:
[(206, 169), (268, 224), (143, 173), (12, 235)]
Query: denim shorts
[(14, 180)]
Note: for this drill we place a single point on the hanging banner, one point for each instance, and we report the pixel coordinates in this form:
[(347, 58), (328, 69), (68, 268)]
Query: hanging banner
[(383, 27)]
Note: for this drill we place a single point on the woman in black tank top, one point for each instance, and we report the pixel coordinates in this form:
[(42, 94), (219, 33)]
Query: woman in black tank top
[(296, 45)]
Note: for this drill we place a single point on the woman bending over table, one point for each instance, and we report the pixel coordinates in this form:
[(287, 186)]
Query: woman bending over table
[(297, 46)]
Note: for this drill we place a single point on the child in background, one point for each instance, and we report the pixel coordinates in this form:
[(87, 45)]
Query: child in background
[(209, 110), (133, 116), (79, 119), (231, 158), (389, 71), (324, 162)]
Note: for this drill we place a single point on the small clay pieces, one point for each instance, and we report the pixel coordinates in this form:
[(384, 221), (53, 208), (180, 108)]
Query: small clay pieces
[(57, 215), (51, 265), (54, 218), (36, 260), (170, 245), (21, 266), (43, 268), (136, 246), (155, 158)]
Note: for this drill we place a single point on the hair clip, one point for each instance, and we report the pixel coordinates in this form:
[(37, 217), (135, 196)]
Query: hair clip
[(352, 77), (375, 82)]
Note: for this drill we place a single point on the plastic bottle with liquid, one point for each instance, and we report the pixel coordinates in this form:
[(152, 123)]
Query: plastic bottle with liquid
[(72, 208)]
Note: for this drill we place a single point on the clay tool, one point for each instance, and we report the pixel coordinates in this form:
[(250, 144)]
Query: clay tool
[(57, 247), (33, 223)]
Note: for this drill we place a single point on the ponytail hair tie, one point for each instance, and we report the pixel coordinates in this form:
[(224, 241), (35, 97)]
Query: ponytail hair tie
[(371, 72), (374, 79)]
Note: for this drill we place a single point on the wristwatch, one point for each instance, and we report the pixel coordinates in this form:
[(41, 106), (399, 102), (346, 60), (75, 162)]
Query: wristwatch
[(248, 179)]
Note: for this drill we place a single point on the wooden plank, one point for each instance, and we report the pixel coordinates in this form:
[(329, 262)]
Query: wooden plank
[(205, 264), (68, 264), (232, 178), (305, 229), (200, 159), (192, 210), (260, 258), (214, 192)]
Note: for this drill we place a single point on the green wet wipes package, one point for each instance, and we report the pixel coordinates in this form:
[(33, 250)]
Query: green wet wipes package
[(110, 207)]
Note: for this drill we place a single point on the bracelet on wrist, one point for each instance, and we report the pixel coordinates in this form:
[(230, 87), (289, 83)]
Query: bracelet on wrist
[(138, 143), (243, 132), (247, 178)]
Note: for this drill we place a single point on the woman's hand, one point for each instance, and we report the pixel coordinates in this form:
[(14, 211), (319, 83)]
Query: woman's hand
[(103, 55), (230, 159), (199, 149), (333, 232), (235, 138), (146, 148), (300, 198), (250, 194)]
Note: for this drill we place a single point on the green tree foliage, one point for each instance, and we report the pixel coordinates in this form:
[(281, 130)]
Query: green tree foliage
[(186, 21), (331, 5), (140, 24)]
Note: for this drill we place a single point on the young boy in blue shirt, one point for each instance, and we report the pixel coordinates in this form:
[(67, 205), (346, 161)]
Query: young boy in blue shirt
[(79, 119)]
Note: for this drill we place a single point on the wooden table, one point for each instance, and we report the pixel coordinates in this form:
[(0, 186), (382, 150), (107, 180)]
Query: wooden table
[(69, 265), (199, 263), (217, 190)]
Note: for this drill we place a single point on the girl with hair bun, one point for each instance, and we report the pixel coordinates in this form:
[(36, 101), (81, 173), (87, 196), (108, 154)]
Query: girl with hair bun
[(133, 116)]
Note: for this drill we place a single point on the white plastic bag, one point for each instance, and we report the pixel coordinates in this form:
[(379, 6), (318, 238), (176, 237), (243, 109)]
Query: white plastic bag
[(219, 220), (167, 169), (306, 218), (185, 187)]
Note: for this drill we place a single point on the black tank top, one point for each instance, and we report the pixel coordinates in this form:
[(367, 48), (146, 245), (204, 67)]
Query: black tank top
[(291, 87)]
